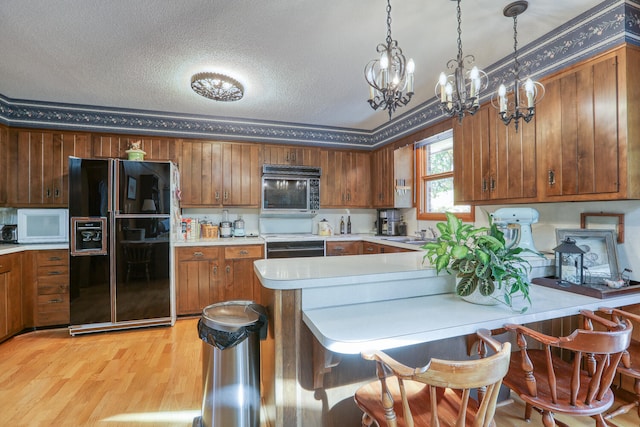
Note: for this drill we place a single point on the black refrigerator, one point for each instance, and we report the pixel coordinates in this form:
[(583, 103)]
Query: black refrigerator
[(122, 220)]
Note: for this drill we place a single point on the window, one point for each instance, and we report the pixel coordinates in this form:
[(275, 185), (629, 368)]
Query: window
[(434, 171)]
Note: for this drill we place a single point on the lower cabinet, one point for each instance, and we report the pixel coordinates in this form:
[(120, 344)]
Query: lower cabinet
[(210, 274), (52, 289), (369, 248), (198, 280), (11, 315), (241, 283), (344, 248)]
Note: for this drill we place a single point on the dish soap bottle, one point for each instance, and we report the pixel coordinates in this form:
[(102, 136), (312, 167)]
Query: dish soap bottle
[(349, 224), (341, 225)]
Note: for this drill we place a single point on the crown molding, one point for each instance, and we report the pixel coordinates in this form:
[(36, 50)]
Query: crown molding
[(607, 25)]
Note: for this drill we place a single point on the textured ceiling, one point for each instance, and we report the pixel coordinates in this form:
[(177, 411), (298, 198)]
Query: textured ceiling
[(300, 61)]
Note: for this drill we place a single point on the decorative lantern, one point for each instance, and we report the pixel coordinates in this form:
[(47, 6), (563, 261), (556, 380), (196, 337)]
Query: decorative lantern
[(569, 262)]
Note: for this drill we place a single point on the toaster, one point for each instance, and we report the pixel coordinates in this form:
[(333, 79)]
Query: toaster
[(9, 233)]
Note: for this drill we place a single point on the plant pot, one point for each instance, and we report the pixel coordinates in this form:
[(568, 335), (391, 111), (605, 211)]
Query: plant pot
[(477, 298)]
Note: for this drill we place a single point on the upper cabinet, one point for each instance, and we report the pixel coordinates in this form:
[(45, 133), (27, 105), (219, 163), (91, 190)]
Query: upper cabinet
[(588, 131), (493, 162), (4, 142), (345, 180), (115, 146), (581, 145), (38, 165), (214, 174), (289, 155), (382, 168)]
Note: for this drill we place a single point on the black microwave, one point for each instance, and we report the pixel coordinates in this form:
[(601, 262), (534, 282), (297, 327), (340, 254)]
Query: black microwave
[(290, 190)]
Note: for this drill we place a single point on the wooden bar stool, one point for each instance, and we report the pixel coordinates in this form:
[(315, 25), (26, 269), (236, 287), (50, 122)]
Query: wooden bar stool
[(439, 392), (580, 386), (630, 363)]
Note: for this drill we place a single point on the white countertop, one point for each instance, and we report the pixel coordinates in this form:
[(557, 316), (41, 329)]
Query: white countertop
[(382, 325), (13, 248), (354, 303)]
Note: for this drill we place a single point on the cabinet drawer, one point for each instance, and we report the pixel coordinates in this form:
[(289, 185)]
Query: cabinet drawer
[(52, 257), (48, 287), (240, 252), (53, 302), (196, 253), (344, 248), (52, 271), (6, 263)]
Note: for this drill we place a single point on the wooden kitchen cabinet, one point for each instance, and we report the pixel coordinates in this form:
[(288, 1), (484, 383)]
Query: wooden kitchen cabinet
[(52, 288), (38, 164), (11, 313), (4, 166), (345, 180), (588, 130), (493, 162), (382, 169), (115, 146), (290, 155), (240, 281), (199, 278), (215, 174), (343, 248)]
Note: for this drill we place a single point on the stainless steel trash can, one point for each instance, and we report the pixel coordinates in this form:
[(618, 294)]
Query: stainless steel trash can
[(231, 332)]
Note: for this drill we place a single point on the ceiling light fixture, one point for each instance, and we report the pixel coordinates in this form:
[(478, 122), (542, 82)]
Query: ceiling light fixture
[(525, 96), (217, 87), (452, 88), (390, 75)]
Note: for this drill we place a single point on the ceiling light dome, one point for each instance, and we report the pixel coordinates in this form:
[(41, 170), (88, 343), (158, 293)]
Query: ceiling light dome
[(217, 87)]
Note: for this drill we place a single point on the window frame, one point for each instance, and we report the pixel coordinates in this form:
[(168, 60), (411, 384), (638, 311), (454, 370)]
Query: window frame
[(422, 178)]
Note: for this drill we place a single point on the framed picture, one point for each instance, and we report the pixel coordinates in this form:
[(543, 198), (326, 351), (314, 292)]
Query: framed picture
[(600, 254), (132, 187)]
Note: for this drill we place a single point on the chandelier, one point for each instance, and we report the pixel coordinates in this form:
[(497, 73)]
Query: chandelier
[(524, 96), (389, 76), (217, 87), (452, 88)]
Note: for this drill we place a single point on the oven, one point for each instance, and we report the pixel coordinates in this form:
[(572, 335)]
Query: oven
[(295, 248)]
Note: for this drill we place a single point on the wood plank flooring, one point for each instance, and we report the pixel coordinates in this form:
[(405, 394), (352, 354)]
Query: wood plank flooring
[(146, 377)]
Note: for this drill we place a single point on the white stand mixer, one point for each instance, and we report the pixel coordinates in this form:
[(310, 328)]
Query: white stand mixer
[(523, 217)]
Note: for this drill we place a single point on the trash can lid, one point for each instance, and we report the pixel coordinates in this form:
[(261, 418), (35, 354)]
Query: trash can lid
[(229, 315)]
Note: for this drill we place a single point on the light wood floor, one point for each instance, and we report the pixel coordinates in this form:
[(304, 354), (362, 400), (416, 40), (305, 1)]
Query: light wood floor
[(149, 377)]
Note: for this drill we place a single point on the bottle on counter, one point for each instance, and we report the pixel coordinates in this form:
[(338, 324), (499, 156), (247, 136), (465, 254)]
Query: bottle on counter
[(349, 224), (342, 225)]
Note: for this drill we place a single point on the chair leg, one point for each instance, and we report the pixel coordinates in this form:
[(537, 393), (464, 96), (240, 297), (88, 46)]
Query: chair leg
[(547, 419), (527, 412), (366, 420)]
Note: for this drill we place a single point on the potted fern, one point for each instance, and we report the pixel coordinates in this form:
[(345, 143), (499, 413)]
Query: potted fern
[(488, 271)]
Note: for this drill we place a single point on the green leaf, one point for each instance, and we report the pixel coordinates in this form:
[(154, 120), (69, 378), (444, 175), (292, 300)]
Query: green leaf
[(459, 251), (442, 262), (486, 287), (466, 285)]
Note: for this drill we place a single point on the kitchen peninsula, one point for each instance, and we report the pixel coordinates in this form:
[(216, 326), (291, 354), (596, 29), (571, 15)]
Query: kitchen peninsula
[(325, 311)]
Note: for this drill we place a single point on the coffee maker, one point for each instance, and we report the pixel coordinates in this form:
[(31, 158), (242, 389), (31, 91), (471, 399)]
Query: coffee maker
[(389, 222)]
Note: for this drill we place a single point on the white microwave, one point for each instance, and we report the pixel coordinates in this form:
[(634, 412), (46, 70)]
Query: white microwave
[(43, 225)]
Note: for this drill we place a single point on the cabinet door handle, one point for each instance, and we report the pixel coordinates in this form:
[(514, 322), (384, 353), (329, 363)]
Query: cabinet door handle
[(225, 195), (54, 273), (552, 177), (244, 252), (369, 249), (484, 185), (198, 254), (56, 193), (493, 184), (339, 248), (217, 195), (48, 192), (55, 258), (215, 270), (228, 269), (55, 301)]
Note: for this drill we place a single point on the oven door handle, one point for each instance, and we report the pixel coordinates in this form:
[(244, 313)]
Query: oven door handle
[(294, 249)]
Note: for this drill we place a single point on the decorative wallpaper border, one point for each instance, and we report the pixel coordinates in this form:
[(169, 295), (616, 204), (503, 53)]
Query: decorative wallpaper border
[(609, 24)]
